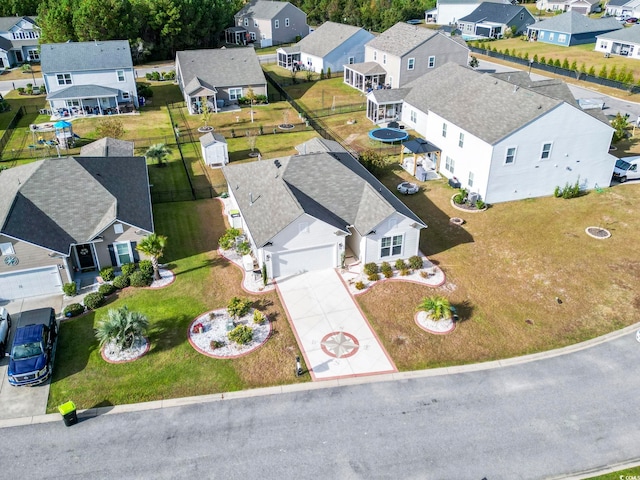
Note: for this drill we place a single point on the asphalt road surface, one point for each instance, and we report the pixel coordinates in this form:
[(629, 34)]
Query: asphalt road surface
[(541, 419)]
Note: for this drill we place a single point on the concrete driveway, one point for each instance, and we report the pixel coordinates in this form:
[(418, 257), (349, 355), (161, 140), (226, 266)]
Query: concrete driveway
[(18, 402), (335, 338)]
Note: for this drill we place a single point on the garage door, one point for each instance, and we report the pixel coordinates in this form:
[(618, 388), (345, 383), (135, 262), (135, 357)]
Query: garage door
[(29, 283), (297, 261)]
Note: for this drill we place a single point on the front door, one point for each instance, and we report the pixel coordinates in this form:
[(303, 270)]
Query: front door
[(19, 58), (85, 257)]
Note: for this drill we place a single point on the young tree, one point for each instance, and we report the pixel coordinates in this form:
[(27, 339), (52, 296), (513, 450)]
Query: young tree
[(251, 96), (158, 152), (620, 125), (373, 161), (252, 136), (473, 63), (437, 307), (206, 112), (110, 127), (122, 327), (153, 245)]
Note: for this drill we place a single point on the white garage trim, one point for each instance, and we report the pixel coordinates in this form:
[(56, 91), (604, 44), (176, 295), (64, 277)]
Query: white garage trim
[(291, 262), (30, 283)]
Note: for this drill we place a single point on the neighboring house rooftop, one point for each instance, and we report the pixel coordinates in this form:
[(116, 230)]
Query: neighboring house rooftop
[(108, 147), (332, 187), (326, 38), (55, 203), (318, 144), (401, 38), (263, 9), (220, 67), (624, 35), (83, 91), (553, 87), (83, 56), (493, 12), (6, 23), (368, 68), (617, 3), (576, 23)]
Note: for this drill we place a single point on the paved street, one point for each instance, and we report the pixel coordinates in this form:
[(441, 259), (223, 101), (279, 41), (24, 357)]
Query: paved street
[(534, 420)]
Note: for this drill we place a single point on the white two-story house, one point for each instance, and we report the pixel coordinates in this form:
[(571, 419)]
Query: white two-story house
[(89, 77), (18, 41), (506, 137)]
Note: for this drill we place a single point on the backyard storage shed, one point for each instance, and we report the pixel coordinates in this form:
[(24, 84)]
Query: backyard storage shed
[(214, 149)]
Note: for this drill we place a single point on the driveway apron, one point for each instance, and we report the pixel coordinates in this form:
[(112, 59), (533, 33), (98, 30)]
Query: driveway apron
[(335, 337)]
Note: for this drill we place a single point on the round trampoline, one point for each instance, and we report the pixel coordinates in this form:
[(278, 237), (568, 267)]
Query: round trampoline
[(388, 135)]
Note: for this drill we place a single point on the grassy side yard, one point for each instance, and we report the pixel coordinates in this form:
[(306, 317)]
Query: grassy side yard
[(628, 474), (505, 267), (172, 368)]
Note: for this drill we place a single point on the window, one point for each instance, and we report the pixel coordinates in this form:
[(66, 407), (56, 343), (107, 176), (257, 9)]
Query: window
[(521, 17), (375, 55), (562, 38), (7, 249), (414, 116), (64, 78), (120, 74), (235, 93), (461, 140), (34, 55), (546, 151), (449, 164), (603, 44), (125, 95), (470, 182), (252, 36), (511, 155), (551, 35), (276, 24), (286, 22), (391, 246), (118, 228), (444, 130), (73, 103), (384, 58), (432, 61), (352, 60), (411, 63), (246, 22), (123, 253), (255, 22)]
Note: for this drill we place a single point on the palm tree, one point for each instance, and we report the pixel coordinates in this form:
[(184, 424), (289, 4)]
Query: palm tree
[(153, 246), (438, 307), (121, 326), (158, 152)]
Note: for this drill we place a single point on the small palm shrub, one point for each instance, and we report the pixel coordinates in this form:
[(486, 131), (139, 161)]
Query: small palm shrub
[(238, 307), (241, 335), (359, 285), (228, 240), (94, 300), (107, 274), (415, 262), (437, 307), (106, 289), (139, 279), (480, 204), (400, 265), (404, 271), (386, 270), (69, 289), (259, 317), (73, 310), (122, 326), (458, 199), (243, 248), (121, 282), (370, 268), (146, 266), (128, 268)]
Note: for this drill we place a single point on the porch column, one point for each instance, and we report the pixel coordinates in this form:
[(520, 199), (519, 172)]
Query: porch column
[(82, 108), (117, 106)]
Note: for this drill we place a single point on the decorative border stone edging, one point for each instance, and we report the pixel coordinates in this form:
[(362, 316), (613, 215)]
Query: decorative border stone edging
[(469, 210), (418, 317), (115, 362)]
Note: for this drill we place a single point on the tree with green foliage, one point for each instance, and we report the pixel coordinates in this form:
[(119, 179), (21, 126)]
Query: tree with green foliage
[(583, 68), (111, 127), (55, 18), (104, 20), (158, 152), (620, 125), (373, 161), (153, 246), (565, 64), (613, 74), (437, 307), (574, 66), (603, 72), (592, 71), (122, 327), (12, 8)]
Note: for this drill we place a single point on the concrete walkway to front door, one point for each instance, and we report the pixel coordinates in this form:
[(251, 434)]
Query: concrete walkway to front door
[(335, 338)]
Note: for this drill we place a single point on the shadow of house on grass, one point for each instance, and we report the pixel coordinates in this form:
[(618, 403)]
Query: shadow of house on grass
[(76, 342)]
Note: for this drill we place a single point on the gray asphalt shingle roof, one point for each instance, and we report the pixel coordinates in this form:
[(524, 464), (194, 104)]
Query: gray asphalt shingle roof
[(494, 12), (6, 23), (575, 23), (333, 187), (617, 3), (57, 202), (83, 56), (326, 38), (367, 68), (263, 9), (221, 67), (554, 88), (319, 144), (211, 137), (474, 96), (108, 147), (631, 35), (83, 91), (392, 95), (401, 38)]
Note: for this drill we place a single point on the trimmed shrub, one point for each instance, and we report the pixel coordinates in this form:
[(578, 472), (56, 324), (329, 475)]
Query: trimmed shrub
[(94, 300), (404, 272), (329, 72), (258, 317), (146, 267), (214, 344), (386, 270), (139, 279), (458, 199), (400, 265), (127, 269), (373, 277), (359, 285), (73, 310), (370, 268), (228, 240), (592, 71), (69, 289), (613, 74), (107, 274), (415, 262), (480, 204), (241, 335), (243, 248), (557, 63), (542, 59), (106, 289), (121, 282), (565, 64), (238, 307)]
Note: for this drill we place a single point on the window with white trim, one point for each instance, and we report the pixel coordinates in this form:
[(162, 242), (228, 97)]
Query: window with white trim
[(120, 74), (34, 55), (352, 60), (246, 22), (255, 22), (118, 228), (432, 61), (391, 246), (7, 249), (276, 24), (123, 253), (546, 151), (461, 140), (125, 95), (286, 22), (375, 55), (411, 63), (235, 93), (252, 36), (562, 38), (414, 116), (64, 79), (551, 35), (449, 164), (384, 58), (72, 103), (470, 182), (444, 130), (511, 155)]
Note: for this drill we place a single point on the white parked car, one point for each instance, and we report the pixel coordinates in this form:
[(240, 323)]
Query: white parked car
[(5, 327), (626, 169), (408, 188)]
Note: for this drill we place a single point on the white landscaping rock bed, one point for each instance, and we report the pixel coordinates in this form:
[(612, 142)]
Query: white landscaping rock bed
[(167, 277), (113, 354), (425, 321), (216, 329), (251, 283)]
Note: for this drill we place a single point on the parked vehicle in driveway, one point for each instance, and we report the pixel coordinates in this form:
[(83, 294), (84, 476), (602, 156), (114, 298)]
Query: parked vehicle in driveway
[(5, 328), (32, 347), (631, 20), (626, 169)]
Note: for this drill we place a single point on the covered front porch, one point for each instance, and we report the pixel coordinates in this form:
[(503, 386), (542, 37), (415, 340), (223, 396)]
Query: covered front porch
[(288, 57), (90, 100), (421, 159), (489, 29), (623, 49), (385, 105), (365, 76)]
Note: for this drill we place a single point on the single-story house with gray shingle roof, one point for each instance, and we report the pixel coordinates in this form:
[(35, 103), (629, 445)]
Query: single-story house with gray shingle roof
[(89, 77), (108, 147), (221, 76), (615, 8), (18, 41), (491, 20), (330, 46), (214, 149), (505, 137), (63, 216), (571, 28), (448, 12), (583, 7), (319, 144), (624, 42), (310, 212)]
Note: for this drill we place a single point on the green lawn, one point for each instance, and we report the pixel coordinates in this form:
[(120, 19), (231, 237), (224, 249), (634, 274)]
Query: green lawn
[(628, 474)]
